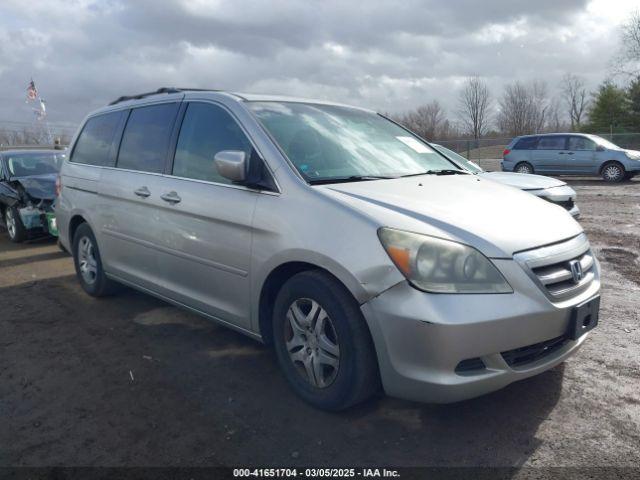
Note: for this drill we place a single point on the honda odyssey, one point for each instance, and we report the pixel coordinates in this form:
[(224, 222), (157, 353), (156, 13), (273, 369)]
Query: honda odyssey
[(367, 259)]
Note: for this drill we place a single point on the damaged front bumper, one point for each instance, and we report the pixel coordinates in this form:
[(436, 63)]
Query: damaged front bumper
[(39, 218)]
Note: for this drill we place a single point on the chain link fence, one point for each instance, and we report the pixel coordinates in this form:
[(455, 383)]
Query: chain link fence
[(15, 135)]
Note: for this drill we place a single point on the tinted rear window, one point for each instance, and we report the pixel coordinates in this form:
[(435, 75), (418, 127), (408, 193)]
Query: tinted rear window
[(551, 143), (527, 143), (96, 140), (146, 138)]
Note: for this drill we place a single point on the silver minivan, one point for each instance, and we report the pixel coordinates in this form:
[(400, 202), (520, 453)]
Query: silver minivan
[(366, 258), (570, 154)]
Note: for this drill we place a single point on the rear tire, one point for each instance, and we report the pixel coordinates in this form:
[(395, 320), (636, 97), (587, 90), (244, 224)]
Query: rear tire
[(523, 167), (86, 258), (322, 342), (15, 228), (613, 172)]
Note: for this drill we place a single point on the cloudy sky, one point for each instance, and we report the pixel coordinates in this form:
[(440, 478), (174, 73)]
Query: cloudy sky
[(384, 55)]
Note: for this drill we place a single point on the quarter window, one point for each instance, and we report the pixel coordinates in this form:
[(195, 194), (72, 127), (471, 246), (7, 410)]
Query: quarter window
[(145, 140), (528, 143), (581, 143), (551, 143), (94, 146), (206, 130)]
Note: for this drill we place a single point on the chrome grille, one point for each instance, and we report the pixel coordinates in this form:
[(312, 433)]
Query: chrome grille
[(551, 267)]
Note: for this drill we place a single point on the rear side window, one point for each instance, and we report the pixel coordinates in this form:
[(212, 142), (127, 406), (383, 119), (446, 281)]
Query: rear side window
[(527, 143), (94, 145), (551, 143), (206, 130), (146, 138)]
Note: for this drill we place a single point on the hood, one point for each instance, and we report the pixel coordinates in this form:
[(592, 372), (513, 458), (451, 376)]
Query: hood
[(523, 181), (496, 219), (39, 187)]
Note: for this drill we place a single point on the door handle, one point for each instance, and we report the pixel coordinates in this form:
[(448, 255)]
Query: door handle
[(142, 192), (171, 197), (562, 153), (570, 153)]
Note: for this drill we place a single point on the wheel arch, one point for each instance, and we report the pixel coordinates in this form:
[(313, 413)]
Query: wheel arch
[(272, 285), (609, 162), (74, 223)]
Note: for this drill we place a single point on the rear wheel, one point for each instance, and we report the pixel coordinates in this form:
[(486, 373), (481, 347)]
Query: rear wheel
[(15, 228), (322, 342), (613, 172), (523, 167), (86, 258)]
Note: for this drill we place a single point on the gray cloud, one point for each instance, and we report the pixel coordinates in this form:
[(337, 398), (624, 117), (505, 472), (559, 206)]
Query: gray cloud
[(384, 55)]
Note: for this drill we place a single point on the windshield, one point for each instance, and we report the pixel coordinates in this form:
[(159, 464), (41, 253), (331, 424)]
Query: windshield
[(26, 164), (605, 143), (459, 159), (330, 142)]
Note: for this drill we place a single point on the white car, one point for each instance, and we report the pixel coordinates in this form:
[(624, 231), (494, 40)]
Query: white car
[(550, 189)]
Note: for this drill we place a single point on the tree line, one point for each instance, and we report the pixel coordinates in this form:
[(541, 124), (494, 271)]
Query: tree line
[(531, 107)]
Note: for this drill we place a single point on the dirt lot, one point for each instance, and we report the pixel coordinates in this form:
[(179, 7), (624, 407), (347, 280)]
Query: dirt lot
[(130, 380)]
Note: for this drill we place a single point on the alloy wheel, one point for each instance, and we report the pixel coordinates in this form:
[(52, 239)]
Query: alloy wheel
[(523, 169), (10, 222), (87, 260), (312, 342), (612, 173)]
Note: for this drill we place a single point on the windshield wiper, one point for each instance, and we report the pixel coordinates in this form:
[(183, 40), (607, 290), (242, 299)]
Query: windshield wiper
[(444, 171), (351, 178)]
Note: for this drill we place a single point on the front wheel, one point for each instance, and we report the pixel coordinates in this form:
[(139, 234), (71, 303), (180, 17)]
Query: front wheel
[(322, 342), (15, 228), (613, 173)]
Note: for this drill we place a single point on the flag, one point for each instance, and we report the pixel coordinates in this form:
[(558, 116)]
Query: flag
[(32, 91)]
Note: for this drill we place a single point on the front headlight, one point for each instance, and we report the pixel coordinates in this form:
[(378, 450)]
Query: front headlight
[(633, 155), (441, 266)]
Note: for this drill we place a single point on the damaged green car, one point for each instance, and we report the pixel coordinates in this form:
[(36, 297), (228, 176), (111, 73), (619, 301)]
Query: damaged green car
[(28, 191)]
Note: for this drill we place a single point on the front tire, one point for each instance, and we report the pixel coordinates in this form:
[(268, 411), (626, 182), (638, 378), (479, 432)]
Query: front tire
[(15, 228), (523, 167), (88, 264), (613, 172), (322, 342)]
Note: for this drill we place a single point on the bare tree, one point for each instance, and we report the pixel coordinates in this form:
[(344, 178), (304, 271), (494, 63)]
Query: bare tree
[(556, 119), (628, 60), (475, 106), (524, 108), (429, 121), (576, 99)]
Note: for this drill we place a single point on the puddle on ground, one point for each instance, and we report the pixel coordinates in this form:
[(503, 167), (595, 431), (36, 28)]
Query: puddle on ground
[(170, 316)]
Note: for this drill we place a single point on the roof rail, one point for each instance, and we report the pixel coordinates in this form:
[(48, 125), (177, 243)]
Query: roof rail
[(124, 98)]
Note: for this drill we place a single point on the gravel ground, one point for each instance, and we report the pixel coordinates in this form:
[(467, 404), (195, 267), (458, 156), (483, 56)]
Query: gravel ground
[(131, 381)]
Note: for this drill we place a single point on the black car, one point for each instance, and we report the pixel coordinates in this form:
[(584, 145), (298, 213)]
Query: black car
[(27, 190)]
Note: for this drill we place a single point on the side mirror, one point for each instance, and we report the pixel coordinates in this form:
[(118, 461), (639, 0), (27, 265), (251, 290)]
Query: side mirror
[(232, 164), (600, 148)]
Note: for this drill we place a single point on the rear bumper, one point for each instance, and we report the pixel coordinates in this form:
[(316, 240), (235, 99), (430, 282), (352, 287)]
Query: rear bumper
[(421, 338)]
